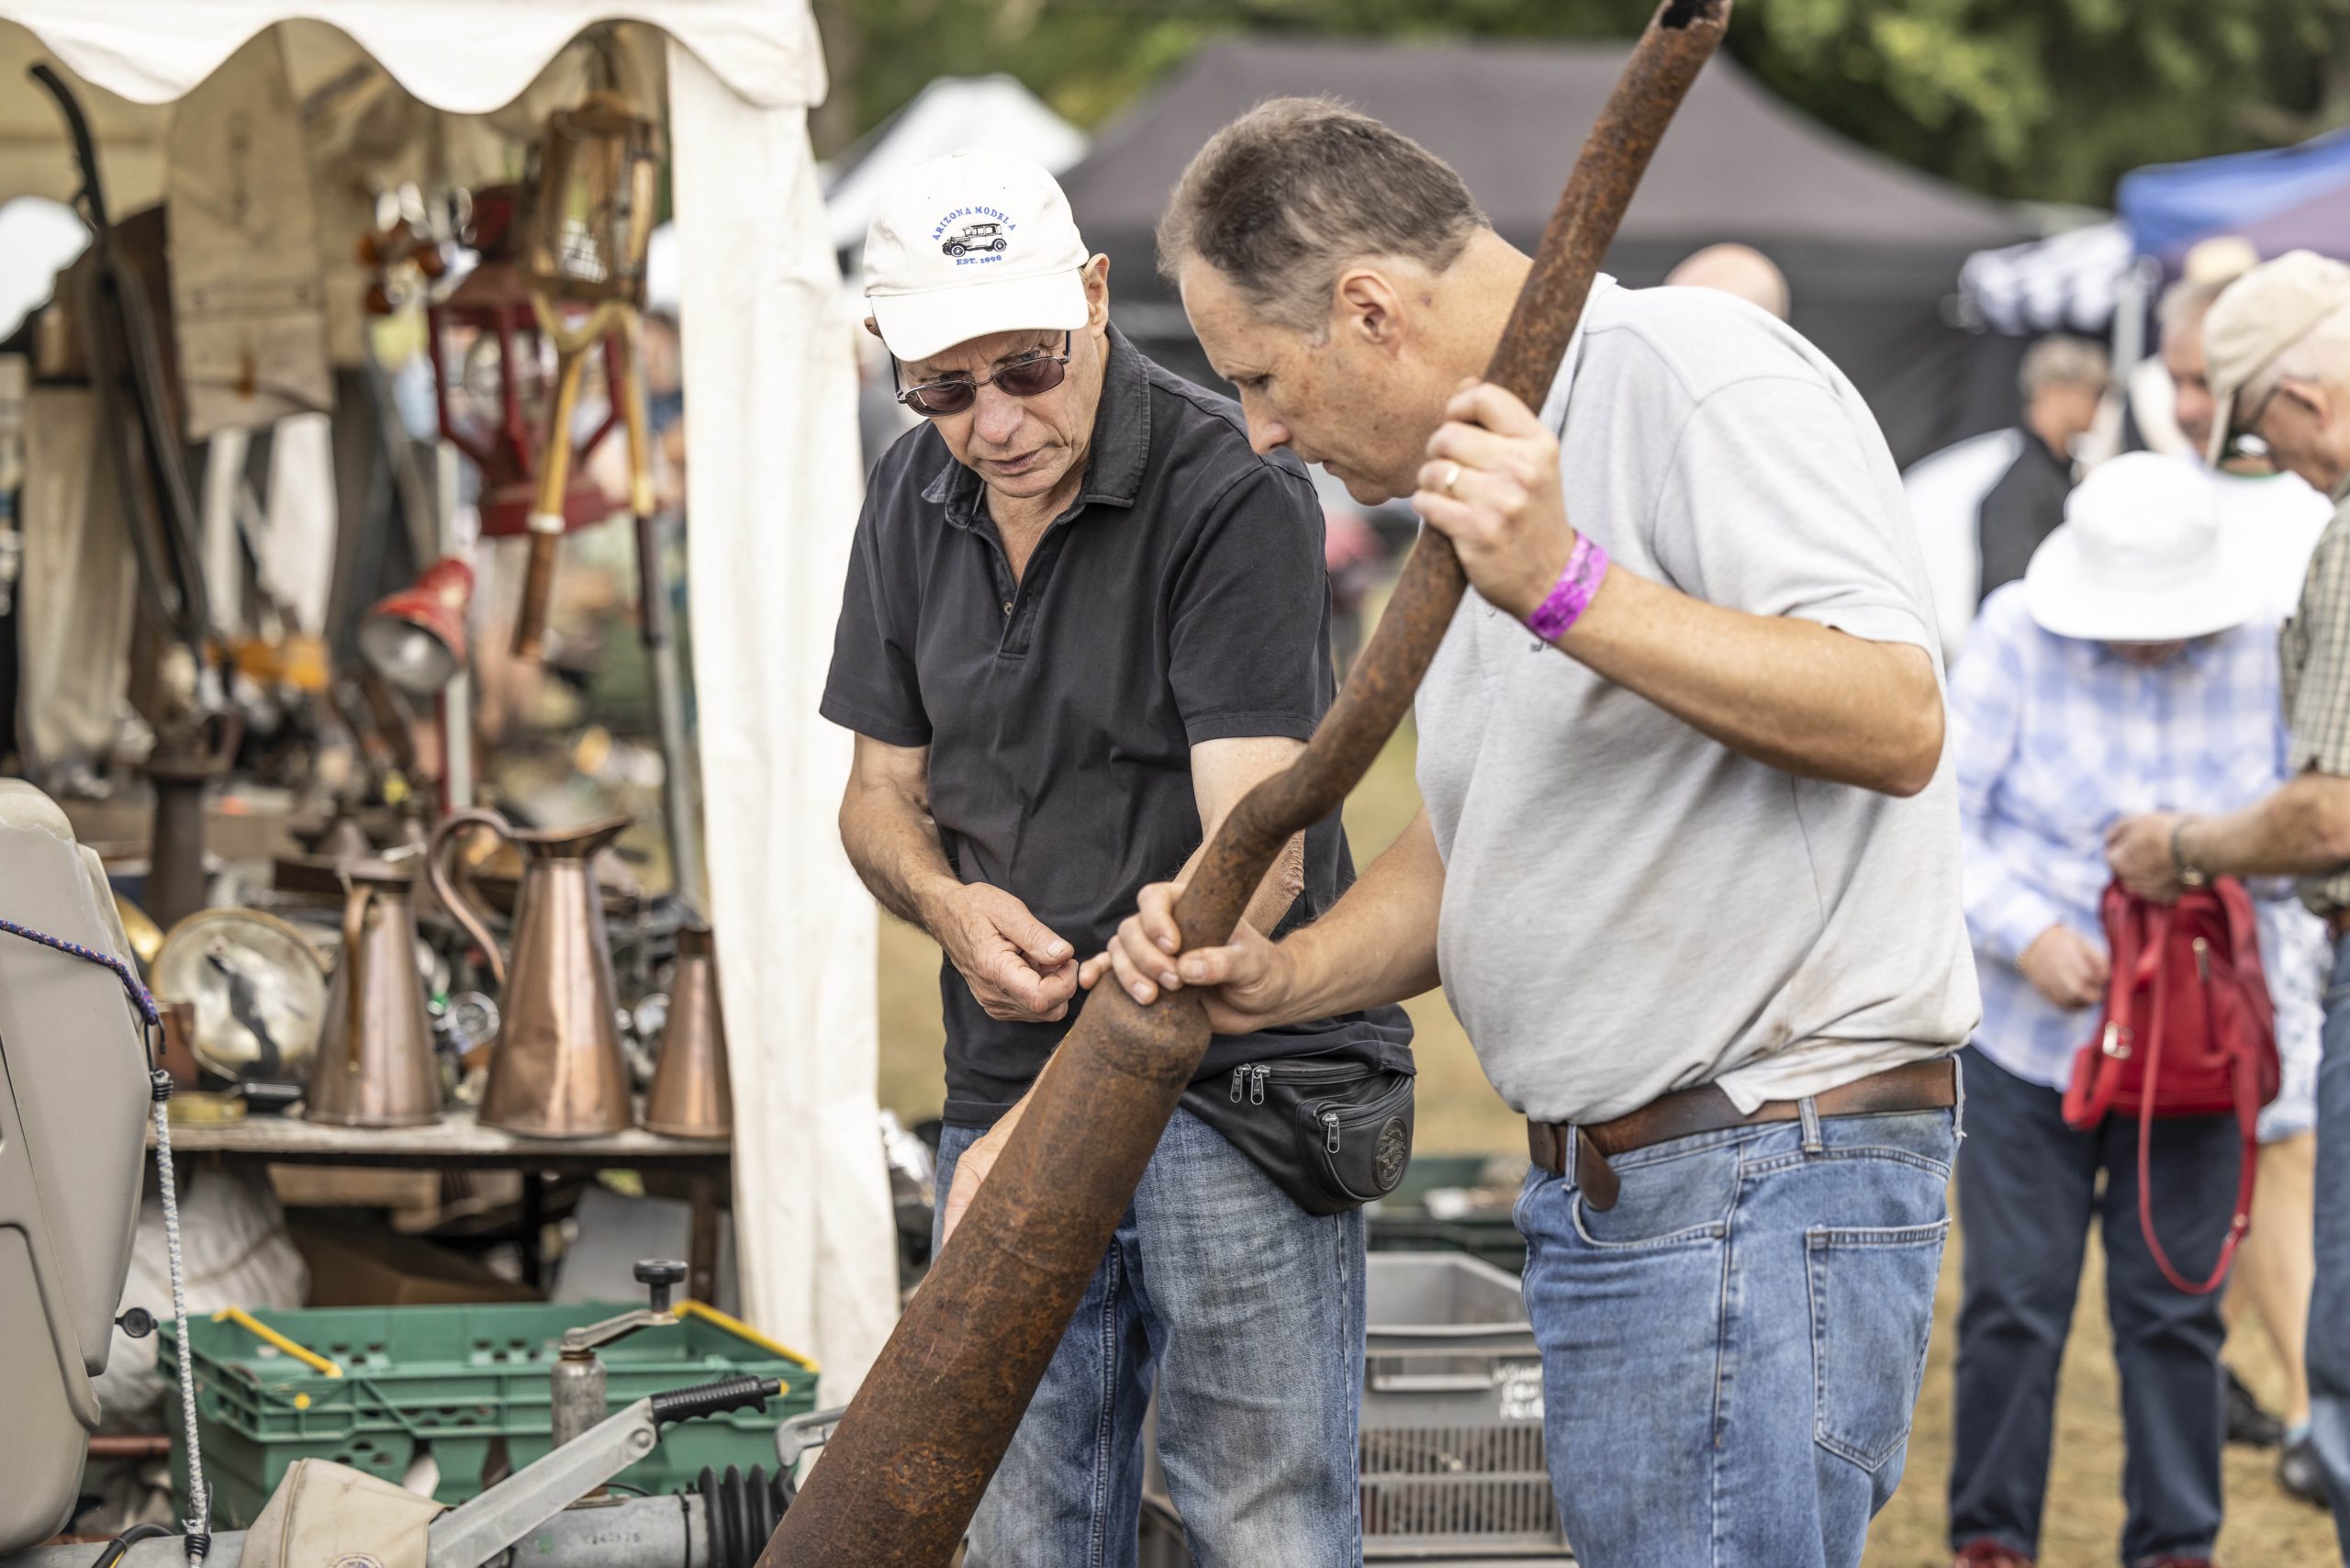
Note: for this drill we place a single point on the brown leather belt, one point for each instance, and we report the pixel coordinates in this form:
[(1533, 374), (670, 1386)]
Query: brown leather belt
[(1913, 1086)]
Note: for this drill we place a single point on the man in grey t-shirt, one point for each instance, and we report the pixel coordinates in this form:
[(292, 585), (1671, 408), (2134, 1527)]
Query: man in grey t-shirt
[(1693, 887)]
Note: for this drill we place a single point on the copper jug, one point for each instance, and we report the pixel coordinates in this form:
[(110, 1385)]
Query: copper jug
[(374, 1067), (556, 1070), (690, 1097)]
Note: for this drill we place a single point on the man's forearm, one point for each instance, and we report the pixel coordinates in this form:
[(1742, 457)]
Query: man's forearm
[(1377, 943), (894, 845), (2302, 830), (1800, 697), (1279, 889)]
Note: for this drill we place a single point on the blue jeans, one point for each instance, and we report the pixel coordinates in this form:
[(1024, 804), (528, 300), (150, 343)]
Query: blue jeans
[(2329, 1342), (1732, 1353), (2027, 1194), (1252, 1310)]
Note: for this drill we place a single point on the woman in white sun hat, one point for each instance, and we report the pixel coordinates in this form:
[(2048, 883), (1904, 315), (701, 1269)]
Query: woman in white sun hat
[(2130, 670)]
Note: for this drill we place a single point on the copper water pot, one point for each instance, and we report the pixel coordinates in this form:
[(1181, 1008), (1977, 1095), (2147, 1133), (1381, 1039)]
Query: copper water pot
[(690, 1097), (556, 1070), (374, 1067)]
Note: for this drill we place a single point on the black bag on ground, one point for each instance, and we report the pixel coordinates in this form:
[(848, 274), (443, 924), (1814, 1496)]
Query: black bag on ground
[(1334, 1134)]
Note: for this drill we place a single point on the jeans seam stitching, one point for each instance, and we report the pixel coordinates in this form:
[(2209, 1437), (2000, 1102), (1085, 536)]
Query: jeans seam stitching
[(1725, 1369), (1770, 1163), (1105, 1424)]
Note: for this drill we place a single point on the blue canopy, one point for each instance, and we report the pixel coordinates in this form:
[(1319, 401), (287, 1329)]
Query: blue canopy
[(2281, 200)]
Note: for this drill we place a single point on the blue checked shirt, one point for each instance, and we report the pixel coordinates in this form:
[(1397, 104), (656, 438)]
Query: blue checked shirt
[(2057, 739)]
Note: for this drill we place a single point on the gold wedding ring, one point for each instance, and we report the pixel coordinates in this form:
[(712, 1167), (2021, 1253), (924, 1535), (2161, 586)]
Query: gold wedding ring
[(1452, 477)]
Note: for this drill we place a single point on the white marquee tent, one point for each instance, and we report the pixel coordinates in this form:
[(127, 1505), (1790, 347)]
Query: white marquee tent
[(448, 89)]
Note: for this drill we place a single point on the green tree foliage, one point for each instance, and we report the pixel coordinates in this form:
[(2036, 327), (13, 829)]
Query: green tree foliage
[(2055, 98), (2047, 99)]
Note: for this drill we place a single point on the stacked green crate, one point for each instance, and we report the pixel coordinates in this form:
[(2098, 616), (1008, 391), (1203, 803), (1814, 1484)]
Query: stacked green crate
[(465, 1386)]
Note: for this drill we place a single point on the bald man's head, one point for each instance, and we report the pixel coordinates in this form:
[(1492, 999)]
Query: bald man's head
[(1735, 269)]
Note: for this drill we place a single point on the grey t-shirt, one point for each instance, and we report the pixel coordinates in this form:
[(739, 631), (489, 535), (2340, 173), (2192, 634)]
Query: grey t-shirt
[(1629, 907)]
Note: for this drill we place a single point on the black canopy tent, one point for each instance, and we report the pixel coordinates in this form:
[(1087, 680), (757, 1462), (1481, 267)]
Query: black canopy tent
[(1870, 248)]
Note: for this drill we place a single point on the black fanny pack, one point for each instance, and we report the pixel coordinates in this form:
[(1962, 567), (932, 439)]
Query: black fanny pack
[(1333, 1134)]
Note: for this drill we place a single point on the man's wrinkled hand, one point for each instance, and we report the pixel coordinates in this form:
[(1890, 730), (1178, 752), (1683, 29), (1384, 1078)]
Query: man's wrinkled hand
[(1018, 968), (2139, 850), (2067, 968), (1491, 485), (1245, 983)]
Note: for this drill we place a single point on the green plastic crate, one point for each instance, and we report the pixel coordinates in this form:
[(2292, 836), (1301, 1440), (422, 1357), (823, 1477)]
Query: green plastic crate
[(469, 1384)]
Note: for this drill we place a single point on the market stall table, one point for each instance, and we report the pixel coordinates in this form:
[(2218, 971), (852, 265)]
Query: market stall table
[(458, 1141)]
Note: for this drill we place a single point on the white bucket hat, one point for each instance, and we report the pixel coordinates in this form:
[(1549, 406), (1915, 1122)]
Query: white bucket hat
[(2140, 557), (971, 244)]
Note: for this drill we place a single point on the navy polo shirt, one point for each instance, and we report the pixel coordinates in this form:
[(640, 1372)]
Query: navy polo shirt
[(1181, 599)]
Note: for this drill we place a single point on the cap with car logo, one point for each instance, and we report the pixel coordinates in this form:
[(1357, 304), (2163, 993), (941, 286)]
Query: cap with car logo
[(971, 244)]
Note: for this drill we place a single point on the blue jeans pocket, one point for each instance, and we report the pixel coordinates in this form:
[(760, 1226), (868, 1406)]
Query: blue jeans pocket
[(1872, 1312), (1681, 1200)]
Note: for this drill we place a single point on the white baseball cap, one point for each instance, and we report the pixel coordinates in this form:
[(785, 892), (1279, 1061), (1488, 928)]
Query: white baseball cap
[(970, 245), (2142, 556)]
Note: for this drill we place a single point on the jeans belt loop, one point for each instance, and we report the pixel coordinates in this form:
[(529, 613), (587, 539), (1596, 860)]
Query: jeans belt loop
[(1808, 1109), (1958, 1111), (1567, 1141)]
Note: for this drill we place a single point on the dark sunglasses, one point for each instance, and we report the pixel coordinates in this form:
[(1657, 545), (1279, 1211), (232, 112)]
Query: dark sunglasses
[(1023, 377)]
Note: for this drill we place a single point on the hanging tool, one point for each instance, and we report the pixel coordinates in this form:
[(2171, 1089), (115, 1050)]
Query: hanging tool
[(142, 441), (656, 627), (907, 1466), (571, 345), (586, 236)]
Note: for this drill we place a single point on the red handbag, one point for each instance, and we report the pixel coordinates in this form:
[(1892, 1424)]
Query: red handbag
[(2188, 1031)]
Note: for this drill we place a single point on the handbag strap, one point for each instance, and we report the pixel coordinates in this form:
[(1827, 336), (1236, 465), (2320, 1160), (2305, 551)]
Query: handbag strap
[(2089, 1097), (2247, 1115)]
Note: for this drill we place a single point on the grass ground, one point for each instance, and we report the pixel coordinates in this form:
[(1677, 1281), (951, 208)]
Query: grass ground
[(1460, 1113)]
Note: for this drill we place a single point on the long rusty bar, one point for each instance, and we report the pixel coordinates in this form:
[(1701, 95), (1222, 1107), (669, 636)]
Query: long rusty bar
[(905, 1469)]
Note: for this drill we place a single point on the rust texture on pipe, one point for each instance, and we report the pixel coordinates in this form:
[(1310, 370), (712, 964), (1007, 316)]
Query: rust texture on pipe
[(906, 1467)]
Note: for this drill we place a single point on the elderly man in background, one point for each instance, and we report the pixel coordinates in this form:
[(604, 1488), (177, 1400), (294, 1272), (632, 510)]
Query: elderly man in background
[(2272, 519), (2277, 347), (2062, 380), (1083, 619), (2131, 669), (1688, 869), (1741, 271)]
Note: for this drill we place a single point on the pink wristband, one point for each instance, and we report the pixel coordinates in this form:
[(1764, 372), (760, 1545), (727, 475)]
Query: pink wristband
[(1571, 596)]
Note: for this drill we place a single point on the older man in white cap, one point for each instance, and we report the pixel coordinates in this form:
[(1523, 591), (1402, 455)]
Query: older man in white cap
[(2278, 343), (1083, 619), (2130, 670)]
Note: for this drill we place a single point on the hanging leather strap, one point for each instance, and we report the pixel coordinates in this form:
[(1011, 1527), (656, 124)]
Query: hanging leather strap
[(2248, 1100), (2136, 955)]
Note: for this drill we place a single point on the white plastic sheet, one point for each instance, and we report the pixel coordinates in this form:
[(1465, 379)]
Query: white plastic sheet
[(469, 56), (771, 425)]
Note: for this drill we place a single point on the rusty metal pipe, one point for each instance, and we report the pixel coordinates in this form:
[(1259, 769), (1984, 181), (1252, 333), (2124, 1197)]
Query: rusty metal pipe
[(905, 1469)]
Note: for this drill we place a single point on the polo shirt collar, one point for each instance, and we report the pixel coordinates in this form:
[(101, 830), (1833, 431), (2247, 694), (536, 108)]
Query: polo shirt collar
[(1553, 411), (1121, 445)]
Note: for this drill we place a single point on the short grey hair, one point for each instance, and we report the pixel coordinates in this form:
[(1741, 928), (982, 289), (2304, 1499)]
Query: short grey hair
[(2184, 303), (2058, 360), (1285, 198)]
